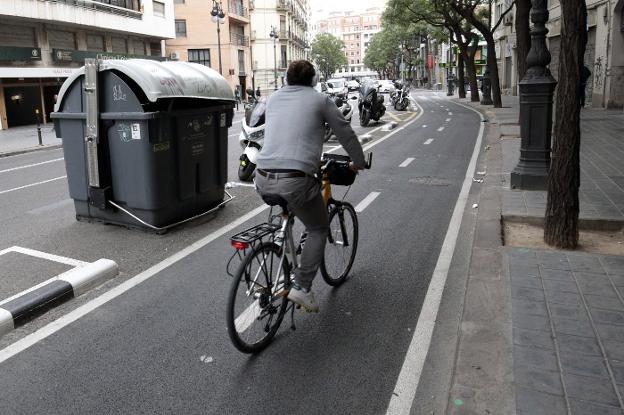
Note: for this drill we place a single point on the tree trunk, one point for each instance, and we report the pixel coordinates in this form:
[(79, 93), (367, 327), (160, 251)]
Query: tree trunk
[(493, 66), (460, 77), (562, 208), (472, 72), (523, 35)]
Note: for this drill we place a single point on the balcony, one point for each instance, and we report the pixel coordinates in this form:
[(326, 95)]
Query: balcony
[(282, 6), (127, 8), (238, 39), (236, 8)]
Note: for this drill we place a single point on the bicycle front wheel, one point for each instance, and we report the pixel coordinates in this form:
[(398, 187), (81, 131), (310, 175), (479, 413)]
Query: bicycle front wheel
[(257, 300), (341, 245)]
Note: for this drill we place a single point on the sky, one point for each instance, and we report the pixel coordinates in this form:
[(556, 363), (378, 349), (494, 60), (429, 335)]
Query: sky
[(342, 5)]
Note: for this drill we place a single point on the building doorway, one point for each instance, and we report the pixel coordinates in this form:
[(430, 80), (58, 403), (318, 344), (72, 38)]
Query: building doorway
[(21, 103), (242, 81)]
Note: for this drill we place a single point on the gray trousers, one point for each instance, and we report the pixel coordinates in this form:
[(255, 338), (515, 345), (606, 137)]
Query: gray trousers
[(304, 199)]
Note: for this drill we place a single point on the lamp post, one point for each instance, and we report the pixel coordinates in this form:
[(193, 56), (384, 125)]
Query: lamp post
[(536, 102), (218, 16), (275, 36)]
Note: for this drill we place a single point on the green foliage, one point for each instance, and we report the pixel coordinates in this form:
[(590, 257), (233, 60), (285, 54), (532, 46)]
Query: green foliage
[(327, 53)]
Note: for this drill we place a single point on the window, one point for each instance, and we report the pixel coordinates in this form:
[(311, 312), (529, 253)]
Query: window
[(159, 9), (178, 1), (241, 63), (201, 56), (180, 28)]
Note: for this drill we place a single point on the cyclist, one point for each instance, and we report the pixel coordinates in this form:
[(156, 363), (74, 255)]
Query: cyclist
[(293, 145)]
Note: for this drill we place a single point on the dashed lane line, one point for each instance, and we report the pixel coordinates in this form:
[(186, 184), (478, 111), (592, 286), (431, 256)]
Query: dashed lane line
[(447, 120), (429, 141), (31, 185), (31, 165), (366, 201), (441, 128), (407, 162)]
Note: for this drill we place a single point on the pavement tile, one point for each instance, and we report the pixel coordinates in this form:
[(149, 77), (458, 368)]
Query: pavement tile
[(578, 344), (573, 327), (556, 274), (536, 338), (599, 301), (590, 389), (618, 280), (579, 364), (557, 297), (537, 379), (611, 332), (527, 321), (527, 282), (532, 402), (527, 293), (584, 263), (568, 311), (618, 371), (607, 316), (560, 286), (529, 307), (523, 270), (587, 408), (597, 287), (534, 357), (614, 349)]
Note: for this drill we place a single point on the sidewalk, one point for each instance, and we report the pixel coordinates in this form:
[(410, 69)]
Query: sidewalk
[(542, 332), (24, 139)]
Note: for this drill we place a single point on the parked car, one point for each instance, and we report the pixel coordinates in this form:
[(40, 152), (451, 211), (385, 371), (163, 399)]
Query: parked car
[(353, 85), (386, 86), (337, 87)]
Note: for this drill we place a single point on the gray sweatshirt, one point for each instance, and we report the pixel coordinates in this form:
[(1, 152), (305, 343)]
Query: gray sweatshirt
[(293, 135)]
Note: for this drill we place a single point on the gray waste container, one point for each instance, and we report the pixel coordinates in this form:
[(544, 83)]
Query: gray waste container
[(144, 138)]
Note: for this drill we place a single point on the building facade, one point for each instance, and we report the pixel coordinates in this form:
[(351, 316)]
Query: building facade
[(44, 41), (289, 20), (355, 29), (223, 45)]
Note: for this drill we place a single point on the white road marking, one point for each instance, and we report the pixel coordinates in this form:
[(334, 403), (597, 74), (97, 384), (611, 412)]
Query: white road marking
[(51, 206), (367, 201), (30, 165), (407, 382), (441, 128), (450, 113), (447, 120), (30, 185), (247, 317), (74, 315), (407, 162), (385, 137), (424, 126), (429, 141), (44, 255)]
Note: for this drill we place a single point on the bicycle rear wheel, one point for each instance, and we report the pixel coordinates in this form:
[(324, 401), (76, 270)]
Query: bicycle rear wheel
[(341, 245), (257, 300)]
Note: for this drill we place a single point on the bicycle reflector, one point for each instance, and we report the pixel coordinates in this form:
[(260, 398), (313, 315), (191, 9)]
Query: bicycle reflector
[(240, 245)]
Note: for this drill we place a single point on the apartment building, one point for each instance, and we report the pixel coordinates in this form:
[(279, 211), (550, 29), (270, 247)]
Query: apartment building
[(44, 41), (355, 29), (223, 45), (288, 21)]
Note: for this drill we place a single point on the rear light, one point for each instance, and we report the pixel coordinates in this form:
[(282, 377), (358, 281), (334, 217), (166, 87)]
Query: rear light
[(240, 245)]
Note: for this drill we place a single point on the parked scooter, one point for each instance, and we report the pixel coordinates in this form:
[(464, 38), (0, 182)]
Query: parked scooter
[(345, 108), (401, 100), (370, 103), (251, 137)]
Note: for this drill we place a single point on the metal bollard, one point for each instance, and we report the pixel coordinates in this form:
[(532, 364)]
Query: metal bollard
[(38, 126)]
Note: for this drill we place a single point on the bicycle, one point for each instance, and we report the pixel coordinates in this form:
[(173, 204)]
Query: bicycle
[(258, 293)]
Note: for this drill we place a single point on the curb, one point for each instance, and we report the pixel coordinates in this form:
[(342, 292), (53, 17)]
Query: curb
[(68, 285), (586, 224), (30, 150)]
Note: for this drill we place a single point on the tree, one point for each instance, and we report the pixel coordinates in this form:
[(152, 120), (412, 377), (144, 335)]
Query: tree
[(562, 206), (327, 52), (523, 35), (381, 55)]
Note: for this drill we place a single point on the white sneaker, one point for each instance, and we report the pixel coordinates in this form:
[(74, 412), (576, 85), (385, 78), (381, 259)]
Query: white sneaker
[(304, 298)]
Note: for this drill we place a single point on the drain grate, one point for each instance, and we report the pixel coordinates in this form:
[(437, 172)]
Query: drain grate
[(430, 181)]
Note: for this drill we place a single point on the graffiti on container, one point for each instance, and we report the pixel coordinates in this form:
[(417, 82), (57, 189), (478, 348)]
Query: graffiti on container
[(201, 87), (171, 84), (118, 94), (599, 72), (124, 132)]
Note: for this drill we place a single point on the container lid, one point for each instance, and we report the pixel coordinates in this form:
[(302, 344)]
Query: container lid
[(173, 79)]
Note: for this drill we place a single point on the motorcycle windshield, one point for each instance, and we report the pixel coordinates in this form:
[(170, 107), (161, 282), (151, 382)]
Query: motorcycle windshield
[(254, 117), (367, 87)]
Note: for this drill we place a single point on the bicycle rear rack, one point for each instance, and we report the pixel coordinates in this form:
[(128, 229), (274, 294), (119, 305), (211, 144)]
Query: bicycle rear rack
[(249, 238)]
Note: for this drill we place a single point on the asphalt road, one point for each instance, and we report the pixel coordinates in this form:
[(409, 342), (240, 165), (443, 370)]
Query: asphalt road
[(162, 346)]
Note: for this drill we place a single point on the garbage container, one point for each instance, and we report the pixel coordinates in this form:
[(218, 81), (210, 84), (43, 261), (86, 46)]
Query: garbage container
[(145, 142)]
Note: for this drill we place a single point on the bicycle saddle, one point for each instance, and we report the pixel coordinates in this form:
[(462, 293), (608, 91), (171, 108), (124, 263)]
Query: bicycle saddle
[(275, 200)]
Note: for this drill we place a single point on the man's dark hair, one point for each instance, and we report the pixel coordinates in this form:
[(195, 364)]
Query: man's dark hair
[(300, 73)]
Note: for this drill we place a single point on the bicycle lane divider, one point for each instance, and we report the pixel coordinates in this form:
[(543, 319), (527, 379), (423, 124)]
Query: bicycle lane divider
[(366, 201), (31, 165), (409, 376), (407, 162), (51, 328), (31, 185)]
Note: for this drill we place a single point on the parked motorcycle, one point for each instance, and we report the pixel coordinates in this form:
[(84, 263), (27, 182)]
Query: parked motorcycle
[(251, 137), (401, 100), (370, 103), (345, 108)]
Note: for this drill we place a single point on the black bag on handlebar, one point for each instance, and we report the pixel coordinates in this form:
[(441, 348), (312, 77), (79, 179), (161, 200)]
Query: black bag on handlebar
[(338, 171)]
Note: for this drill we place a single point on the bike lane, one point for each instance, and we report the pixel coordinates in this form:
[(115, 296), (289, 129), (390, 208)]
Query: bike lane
[(163, 347)]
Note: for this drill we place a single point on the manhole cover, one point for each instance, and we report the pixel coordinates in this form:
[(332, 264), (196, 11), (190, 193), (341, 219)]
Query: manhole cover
[(430, 181)]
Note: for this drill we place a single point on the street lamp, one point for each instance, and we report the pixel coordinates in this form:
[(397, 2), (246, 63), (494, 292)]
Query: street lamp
[(218, 16), (275, 36)]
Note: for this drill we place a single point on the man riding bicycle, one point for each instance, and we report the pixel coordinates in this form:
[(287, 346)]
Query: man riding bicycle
[(293, 145)]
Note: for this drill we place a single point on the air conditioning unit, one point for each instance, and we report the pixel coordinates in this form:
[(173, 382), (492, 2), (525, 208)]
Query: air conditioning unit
[(508, 19), (174, 56)]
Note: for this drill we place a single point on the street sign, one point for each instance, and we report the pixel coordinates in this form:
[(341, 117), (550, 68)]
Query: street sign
[(14, 53)]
